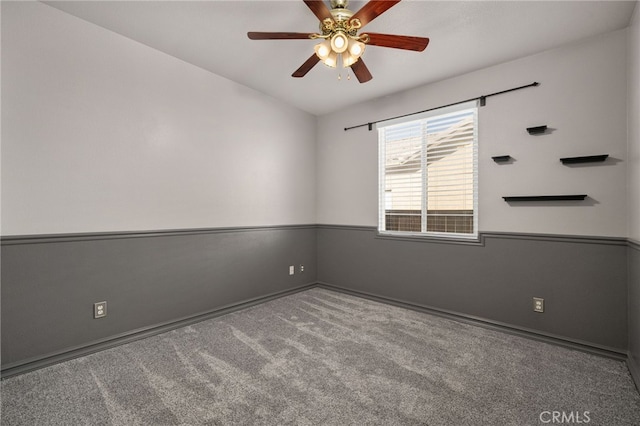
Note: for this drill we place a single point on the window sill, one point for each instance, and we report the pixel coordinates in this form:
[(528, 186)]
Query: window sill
[(428, 238)]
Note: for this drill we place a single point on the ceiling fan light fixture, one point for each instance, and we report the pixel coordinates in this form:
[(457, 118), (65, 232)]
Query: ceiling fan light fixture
[(353, 53), (348, 59), (339, 42), (331, 60), (356, 48), (323, 50)]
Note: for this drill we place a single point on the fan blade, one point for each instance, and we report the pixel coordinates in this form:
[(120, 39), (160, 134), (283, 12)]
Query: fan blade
[(256, 35), (373, 9), (361, 71), (319, 9), (306, 67), (398, 41)]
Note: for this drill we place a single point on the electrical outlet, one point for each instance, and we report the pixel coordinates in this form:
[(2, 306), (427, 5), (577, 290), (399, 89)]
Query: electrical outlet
[(301, 268), (100, 309), (538, 304), (292, 270)]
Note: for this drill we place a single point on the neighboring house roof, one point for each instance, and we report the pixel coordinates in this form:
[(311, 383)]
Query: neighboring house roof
[(439, 146)]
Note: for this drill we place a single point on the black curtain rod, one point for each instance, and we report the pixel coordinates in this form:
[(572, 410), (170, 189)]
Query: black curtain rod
[(483, 101)]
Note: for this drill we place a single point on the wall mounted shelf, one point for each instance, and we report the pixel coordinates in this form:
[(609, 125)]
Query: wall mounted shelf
[(537, 130), (585, 159), (501, 158), (545, 198)]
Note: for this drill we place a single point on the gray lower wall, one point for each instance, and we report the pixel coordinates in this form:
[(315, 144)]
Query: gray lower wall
[(583, 280), (49, 284), (155, 280), (634, 311)]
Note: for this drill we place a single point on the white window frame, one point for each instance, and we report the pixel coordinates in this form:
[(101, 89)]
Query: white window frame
[(383, 196)]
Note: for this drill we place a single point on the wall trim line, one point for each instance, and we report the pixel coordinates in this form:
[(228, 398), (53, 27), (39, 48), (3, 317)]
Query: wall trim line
[(94, 236), (24, 366), (588, 239), (347, 227), (483, 235), (582, 346)]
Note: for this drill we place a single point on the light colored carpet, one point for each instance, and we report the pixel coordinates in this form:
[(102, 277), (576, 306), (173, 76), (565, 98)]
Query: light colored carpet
[(321, 357)]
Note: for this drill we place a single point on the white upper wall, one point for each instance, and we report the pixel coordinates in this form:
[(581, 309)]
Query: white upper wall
[(582, 97), (101, 133), (634, 125)]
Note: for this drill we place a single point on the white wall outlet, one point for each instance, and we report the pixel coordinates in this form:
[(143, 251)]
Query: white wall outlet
[(301, 268), (292, 270), (538, 304), (100, 309)]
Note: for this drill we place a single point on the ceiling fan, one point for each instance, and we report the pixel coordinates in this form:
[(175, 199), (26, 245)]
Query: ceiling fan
[(342, 45)]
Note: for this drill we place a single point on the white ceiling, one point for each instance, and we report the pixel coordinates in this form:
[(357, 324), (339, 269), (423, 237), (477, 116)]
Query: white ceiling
[(465, 36)]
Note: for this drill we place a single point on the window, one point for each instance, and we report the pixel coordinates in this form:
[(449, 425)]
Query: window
[(429, 174)]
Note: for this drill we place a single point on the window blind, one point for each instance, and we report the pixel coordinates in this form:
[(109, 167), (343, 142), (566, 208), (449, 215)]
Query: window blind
[(428, 173)]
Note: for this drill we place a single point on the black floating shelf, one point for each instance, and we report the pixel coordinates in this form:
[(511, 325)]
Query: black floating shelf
[(536, 130), (501, 158), (546, 197), (586, 159)]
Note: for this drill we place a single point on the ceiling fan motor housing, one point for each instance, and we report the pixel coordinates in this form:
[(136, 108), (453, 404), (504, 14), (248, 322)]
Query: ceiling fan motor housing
[(339, 11), (339, 4)]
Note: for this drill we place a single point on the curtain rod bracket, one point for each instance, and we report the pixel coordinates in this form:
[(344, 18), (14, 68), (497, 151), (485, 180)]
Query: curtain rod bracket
[(483, 101)]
